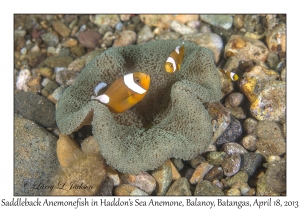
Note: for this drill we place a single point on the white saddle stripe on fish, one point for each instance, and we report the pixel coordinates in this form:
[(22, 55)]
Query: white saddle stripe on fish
[(231, 75), (129, 82), (171, 60)]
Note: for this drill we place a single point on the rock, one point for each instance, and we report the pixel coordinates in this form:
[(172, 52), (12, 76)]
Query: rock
[(200, 172), (181, 28), (89, 39), (216, 158), (243, 188), (177, 163), (271, 102), (45, 72), (232, 132), (186, 18), (274, 180), (227, 85), (143, 181), (209, 40), (245, 48), (145, 35), (196, 161), (175, 174), (160, 21), (50, 39), (49, 88), (276, 38), (54, 97), (61, 28), (250, 162), (250, 22), (233, 192), (125, 38), (58, 61), (239, 177), (188, 173), (35, 158), (34, 80), (271, 147), (113, 175), (283, 75), (215, 173), (66, 77), (220, 21), (163, 176), (125, 17), (128, 190), (195, 24), (78, 51), (70, 42), (206, 188), (269, 130), (165, 35), (181, 187), (107, 40), (238, 21), (249, 142), (231, 164), (273, 60), (22, 80), (234, 99), (106, 188), (249, 125), (100, 20), (36, 108), (237, 112), (234, 148)]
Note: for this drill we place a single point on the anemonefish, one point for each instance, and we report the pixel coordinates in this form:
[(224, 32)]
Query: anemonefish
[(125, 92), (230, 75), (175, 59)]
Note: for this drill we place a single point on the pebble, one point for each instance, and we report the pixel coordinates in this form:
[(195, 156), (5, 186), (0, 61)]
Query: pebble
[(34, 80), (274, 180), (106, 188), (237, 112), (145, 35), (70, 42), (128, 190), (249, 142), (195, 24), (211, 41), (104, 29), (220, 21), (234, 148), (49, 88), (232, 133), (216, 173), (196, 161), (113, 175), (160, 21), (271, 102), (58, 61), (249, 125), (233, 192), (246, 48), (45, 72), (125, 17), (61, 28), (163, 177), (177, 162), (181, 28), (67, 150), (234, 99), (227, 85), (273, 60), (269, 130), (56, 94), (125, 38), (143, 181), (276, 38), (241, 176), (119, 26), (231, 164), (22, 80), (36, 108), (186, 18), (100, 20), (283, 75), (200, 172), (107, 40), (271, 147), (51, 39), (89, 39), (243, 187), (181, 187), (238, 21), (188, 173), (250, 162), (215, 158), (35, 158), (206, 188), (66, 77), (250, 21), (175, 173), (165, 35), (221, 119)]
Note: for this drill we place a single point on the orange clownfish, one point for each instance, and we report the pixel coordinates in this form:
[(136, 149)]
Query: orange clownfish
[(125, 92), (175, 59), (230, 75)]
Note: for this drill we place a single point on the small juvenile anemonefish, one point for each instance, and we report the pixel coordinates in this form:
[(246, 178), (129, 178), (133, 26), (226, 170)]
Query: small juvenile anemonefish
[(230, 75), (175, 59), (125, 92)]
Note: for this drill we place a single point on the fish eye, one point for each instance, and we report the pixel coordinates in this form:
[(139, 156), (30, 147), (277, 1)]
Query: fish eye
[(171, 65), (137, 80)]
